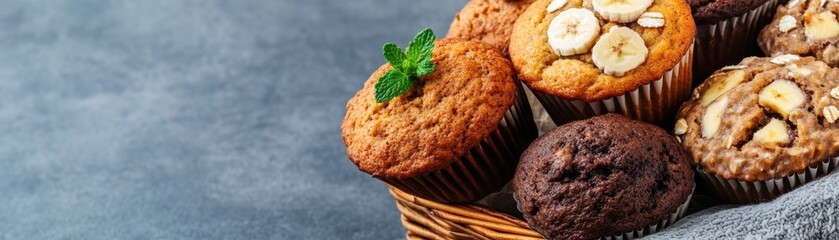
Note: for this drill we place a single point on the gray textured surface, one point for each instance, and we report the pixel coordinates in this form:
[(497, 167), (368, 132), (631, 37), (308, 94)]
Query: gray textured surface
[(161, 119), (810, 212), (210, 119)]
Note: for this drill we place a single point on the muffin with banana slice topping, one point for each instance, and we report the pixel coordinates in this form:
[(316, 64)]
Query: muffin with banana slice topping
[(763, 127), (590, 57), (804, 27)]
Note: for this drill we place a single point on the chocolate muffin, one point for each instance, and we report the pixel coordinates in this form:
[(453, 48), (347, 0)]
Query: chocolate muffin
[(602, 176), (768, 123), (591, 57), (490, 21), (804, 27), (453, 137), (712, 11), (726, 31)]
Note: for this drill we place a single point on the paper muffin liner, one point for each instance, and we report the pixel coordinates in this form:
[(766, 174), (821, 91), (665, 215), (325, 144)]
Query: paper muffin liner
[(483, 169), (655, 102), (744, 192), (728, 41), (653, 228)]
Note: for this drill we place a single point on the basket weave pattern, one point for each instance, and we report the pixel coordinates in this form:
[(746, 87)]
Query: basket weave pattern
[(425, 219)]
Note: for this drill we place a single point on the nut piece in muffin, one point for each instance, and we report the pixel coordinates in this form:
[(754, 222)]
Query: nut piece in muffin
[(490, 21), (763, 119), (600, 177), (446, 129), (588, 57), (806, 28)]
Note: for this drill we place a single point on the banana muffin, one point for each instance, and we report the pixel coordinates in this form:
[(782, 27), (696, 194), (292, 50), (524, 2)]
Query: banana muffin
[(590, 57), (453, 137), (490, 21), (601, 177), (804, 27), (768, 123), (726, 31)]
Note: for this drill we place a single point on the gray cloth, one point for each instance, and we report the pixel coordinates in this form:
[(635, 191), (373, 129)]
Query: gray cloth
[(809, 212), (212, 119)]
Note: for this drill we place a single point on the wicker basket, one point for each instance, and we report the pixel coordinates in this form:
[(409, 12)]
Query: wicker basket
[(425, 219)]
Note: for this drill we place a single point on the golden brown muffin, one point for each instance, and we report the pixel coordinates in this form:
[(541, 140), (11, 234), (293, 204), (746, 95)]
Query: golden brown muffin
[(577, 77), (804, 27), (763, 119), (448, 112), (490, 21)]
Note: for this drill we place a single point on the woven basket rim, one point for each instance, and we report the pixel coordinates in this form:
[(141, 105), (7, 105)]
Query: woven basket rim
[(432, 220)]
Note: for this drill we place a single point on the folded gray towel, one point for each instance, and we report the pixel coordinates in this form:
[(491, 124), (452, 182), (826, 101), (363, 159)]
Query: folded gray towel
[(809, 212)]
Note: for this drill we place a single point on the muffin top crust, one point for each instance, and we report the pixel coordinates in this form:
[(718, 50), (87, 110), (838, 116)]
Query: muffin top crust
[(806, 28), (763, 119), (445, 114), (601, 176), (590, 50), (712, 11), (489, 21)]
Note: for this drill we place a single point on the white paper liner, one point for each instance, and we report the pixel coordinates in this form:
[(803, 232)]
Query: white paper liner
[(743, 192), (728, 41), (654, 102), (653, 228)]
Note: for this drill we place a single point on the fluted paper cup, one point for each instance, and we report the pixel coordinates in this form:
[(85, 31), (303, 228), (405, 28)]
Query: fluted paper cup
[(484, 168), (728, 41), (745, 192), (655, 102)]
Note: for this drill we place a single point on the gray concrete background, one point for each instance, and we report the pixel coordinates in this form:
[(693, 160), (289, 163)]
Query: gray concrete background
[(192, 119), (210, 119)]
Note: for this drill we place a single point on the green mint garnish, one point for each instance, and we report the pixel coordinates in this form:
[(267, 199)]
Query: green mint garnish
[(408, 66)]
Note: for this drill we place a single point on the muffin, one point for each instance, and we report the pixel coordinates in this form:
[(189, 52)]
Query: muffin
[(453, 137), (586, 58), (806, 28), (726, 31), (490, 21), (603, 177), (763, 127)]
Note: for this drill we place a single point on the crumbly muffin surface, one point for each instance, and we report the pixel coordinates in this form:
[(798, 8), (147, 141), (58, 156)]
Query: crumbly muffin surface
[(765, 118), (712, 11), (490, 21), (804, 27), (577, 77), (445, 114), (601, 176)]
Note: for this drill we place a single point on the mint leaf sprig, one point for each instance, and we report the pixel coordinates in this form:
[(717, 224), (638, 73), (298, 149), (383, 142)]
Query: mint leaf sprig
[(408, 66)]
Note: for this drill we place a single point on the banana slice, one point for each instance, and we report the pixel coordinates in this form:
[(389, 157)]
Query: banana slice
[(782, 97), (733, 79), (556, 5), (775, 132), (573, 31), (623, 11), (619, 51), (821, 26), (713, 118)]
